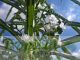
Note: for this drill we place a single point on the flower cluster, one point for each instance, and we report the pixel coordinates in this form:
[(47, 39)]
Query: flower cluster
[(27, 38), (51, 22)]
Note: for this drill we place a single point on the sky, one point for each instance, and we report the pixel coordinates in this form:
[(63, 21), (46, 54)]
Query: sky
[(66, 8), (70, 11)]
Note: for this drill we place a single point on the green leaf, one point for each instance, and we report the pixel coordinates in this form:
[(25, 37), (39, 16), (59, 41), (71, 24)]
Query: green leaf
[(76, 1), (41, 1), (70, 23), (76, 29), (65, 49), (71, 40), (58, 57), (8, 43)]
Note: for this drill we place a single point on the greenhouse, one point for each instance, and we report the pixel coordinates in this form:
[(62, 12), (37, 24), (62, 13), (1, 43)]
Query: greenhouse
[(39, 29)]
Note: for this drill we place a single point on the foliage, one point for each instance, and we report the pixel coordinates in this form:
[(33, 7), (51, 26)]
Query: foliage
[(37, 33)]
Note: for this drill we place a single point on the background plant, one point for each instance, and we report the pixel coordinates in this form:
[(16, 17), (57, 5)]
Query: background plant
[(37, 33)]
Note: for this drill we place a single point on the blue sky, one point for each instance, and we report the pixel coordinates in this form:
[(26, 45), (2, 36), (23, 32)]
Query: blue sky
[(70, 11), (66, 8)]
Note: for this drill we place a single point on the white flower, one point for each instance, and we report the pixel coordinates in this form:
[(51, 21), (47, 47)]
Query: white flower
[(47, 19), (53, 57), (56, 34), (10, 52), (47, 27), (33, 23), (52, 6), (42, 29), (44, 4), (62, 25), (78, 28), (20, 27), (56, 26), (27, 38), (59, 42), (44, 12), (53, 20), (23, 16), (39, 14), (41, 6)]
